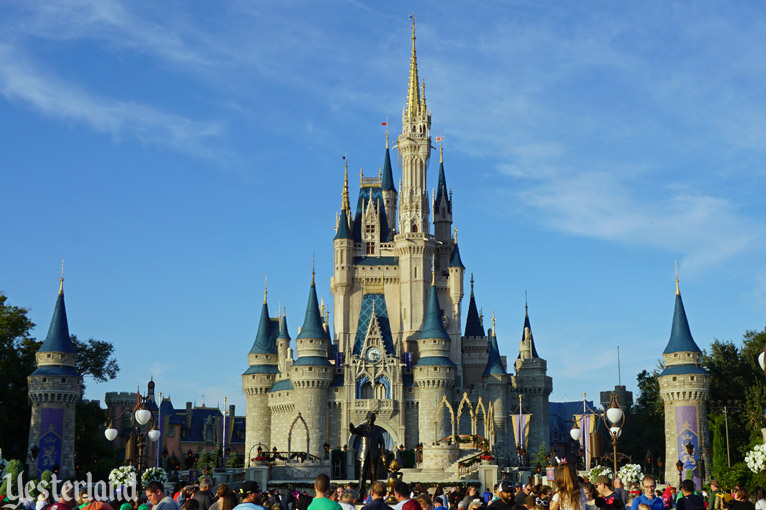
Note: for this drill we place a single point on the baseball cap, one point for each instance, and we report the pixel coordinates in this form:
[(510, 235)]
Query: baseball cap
[(728, 499), (505, 486), (249, 486), (602, 479)]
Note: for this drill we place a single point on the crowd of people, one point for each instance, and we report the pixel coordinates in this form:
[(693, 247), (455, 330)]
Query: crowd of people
[(569, 492)]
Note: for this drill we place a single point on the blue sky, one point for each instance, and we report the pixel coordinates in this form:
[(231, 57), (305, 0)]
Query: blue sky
[(174, 153)]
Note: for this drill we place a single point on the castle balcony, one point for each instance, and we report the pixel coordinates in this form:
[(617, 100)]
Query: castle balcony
[(383, 408)]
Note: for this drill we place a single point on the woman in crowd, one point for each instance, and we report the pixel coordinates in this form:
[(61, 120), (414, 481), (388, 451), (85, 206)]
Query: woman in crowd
[(567, 495)]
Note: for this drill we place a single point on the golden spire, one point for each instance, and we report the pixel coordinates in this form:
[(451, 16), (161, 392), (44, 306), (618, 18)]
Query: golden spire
[(678, 289), (413, 94), (494, 332), (441, 151), (386, 132), (346, 206), (265, 288), (455, 235), (61, 280), (433, 270), (361, 177), (313, 263)]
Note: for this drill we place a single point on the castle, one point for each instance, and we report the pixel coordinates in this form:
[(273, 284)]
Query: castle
[(398, 346)]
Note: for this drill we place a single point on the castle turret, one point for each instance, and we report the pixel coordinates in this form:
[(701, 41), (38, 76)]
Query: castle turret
[(283, 348), (495, 380), (388, 190), (442, 209), (535, 386), (434, 373), (312, 373), (259, 377), (685, 388), (473, 324), (55, 387), (455, 288)]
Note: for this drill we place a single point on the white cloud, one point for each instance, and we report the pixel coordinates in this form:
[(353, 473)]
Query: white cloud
[(21, 81)]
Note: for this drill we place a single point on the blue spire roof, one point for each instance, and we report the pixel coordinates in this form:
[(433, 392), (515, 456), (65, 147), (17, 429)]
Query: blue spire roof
[(283, 333), (454, 260), (473, 325), (387, 179), (265, 338), (312, 323), (441, 189), (494, 363), (378, 303), (433, 326), (531, 338), (343, 231), (680, 335), (58, 339), (376, 194)]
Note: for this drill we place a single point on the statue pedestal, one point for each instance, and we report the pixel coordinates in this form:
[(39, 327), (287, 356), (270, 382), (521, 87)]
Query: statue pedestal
[(488, 476), (351, 464)]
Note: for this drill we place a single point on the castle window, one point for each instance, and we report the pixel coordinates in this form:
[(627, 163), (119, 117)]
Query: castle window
[(311, 369), (63, 380), (436, 369), (48, 356), (171, 431), (45, 379), (369, 248), (693, 378), (675, 379)]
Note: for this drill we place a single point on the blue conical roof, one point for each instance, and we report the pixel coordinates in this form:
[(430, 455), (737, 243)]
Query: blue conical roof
[(265, 338), (433, 326), (531, 338), (387, 178), (454, 260), (58, 339), (680, 335), (473, 325), (441, 189), (494, 363), (312, 323), (343, 230), (283, 333)]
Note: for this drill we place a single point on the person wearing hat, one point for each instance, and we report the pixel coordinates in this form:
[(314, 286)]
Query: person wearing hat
[(505, 499), (714, 496), (604, 489), (250, 493)]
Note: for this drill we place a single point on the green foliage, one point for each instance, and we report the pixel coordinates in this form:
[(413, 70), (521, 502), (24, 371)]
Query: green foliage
[(540, 458), (718, 435), (644, 429), (95, 359), (207, 461), (12, 471), (737, 474), (92, 451)]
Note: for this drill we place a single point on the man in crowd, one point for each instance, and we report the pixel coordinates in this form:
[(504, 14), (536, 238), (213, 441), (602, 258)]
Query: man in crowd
[(505, 499), (689, 500), (618, 489), (321, 489), (648, 485), (203, 496), (155, 493), (402, 495), (604, 489), (714, 498), (378, 493), (521, 496), (250, 494)]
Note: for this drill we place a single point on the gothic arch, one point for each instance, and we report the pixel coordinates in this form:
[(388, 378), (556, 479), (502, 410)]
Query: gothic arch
[(466, 402), (290, 435), (480, 407), (491, 420), (446, 403)]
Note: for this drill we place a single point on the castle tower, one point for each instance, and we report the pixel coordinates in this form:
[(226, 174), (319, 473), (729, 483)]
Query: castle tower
[(442, 212), (534, 385), (312, 373), (412, 243), (388, 190), (342, 281), (433, 374), (495, 381), (684, 387), (259, 377), (55, 387), (283, 348)]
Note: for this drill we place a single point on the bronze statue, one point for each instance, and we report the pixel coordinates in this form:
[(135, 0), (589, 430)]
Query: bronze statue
[(370, 448)]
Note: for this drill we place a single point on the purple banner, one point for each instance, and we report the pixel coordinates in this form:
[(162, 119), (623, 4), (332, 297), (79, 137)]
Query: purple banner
[(687, 431), (587, 425), (521, 428), (51, 430)]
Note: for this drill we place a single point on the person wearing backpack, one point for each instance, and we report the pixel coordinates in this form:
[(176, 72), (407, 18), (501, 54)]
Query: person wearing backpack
[(689, 500)]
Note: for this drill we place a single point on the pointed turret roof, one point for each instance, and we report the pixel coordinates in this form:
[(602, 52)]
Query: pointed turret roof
[(454, 260), (58, 339), (473, 325), (283, 333), (442, 194), (531, 338), (343, 230), (680, 335), (433, 326), (414, 102), (494, 363), (265, 338), (312, 323), (387, 176)]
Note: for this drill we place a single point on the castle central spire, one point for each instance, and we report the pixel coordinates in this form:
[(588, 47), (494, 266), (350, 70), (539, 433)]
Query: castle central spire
[(413, 93)]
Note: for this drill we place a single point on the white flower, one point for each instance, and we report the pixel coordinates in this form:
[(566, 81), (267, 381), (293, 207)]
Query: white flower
[(155, 474), (599, 471), (630, 473), (124, 475), (756, 458)]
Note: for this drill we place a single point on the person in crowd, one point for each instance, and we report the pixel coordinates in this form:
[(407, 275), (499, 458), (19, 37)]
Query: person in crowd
[(251, 498), (649, 484), (505, 495), (402, 496), (225, 498), (619, 489), (322, 489), (470, 494), (689, 500), (604, 489), (714, 496), (590, 495), (347, 499), (523, 494), (190, 504), (377, 494), (568, 495), (155, 493), (203, 496), (425, 502), (742, 500)]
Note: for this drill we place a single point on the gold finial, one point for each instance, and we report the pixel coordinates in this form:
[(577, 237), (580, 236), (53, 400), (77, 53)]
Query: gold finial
[(519, 399), (471, 284), (61, 280), (441, 151), (386, 131), (413, 95), (678, 289), (433, 270), (346, 206), (265, 288), (313, 264), (361, 177), (494, 332), (526, 310), (455, 235)]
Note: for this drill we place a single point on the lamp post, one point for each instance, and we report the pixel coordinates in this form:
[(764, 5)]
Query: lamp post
[(614, 419), (680, 467), (140, 416)]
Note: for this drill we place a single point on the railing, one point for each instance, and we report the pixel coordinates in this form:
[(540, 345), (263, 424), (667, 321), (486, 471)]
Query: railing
[(469, 465)]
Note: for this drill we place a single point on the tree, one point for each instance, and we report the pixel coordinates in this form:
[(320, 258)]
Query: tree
[(17, 361), (645, 424)]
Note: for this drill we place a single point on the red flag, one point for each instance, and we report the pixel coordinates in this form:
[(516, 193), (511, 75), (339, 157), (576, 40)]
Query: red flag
[(384, 123), (438, 138)]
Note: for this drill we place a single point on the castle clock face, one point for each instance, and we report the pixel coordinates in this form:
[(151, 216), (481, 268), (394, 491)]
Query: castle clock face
[(374, 355)]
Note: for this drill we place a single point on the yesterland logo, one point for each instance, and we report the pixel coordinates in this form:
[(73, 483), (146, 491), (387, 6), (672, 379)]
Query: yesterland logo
[(23, 496)]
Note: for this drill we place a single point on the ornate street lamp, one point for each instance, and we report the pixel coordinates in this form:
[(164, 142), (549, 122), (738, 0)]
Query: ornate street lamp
[(614, 419), (576, 432), (680, 467), (140, 416)]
